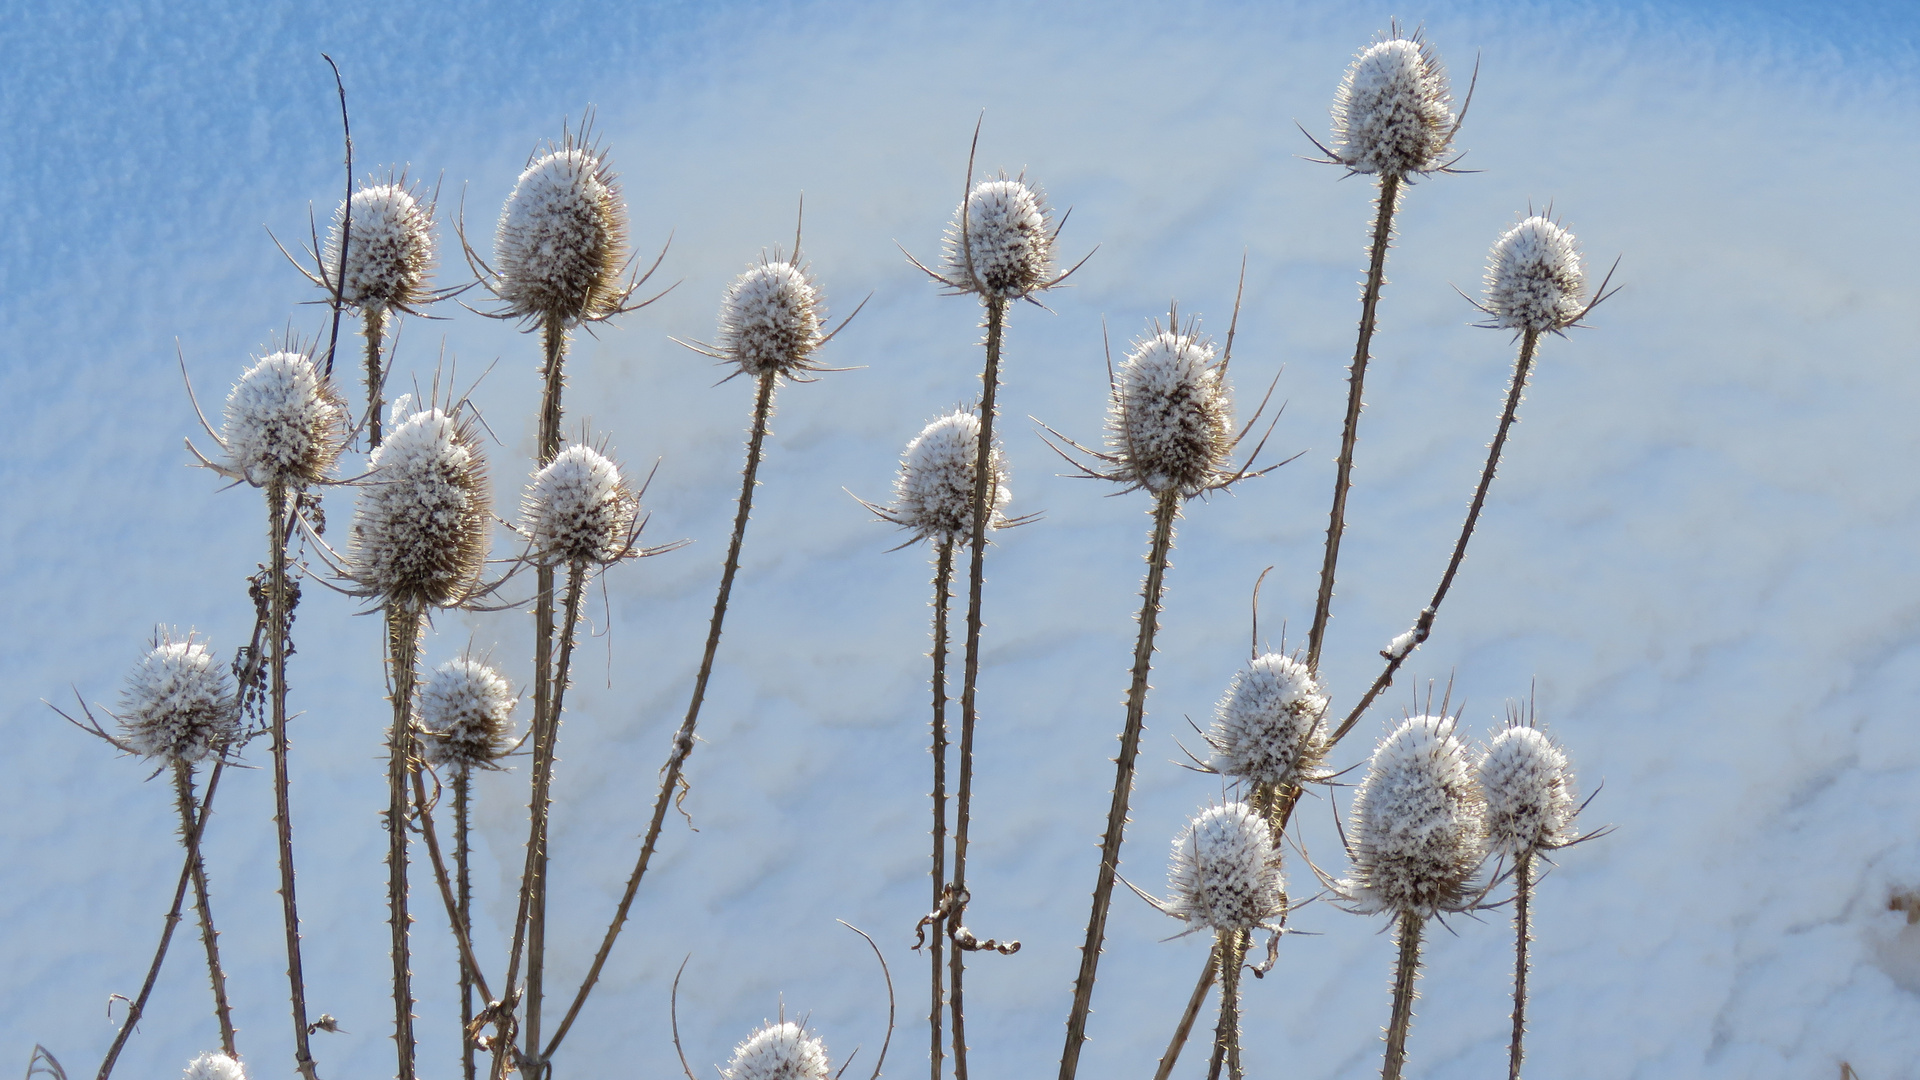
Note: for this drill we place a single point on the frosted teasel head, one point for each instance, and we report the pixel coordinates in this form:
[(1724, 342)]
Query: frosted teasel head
[(284, 423), (1416, 834), (465, 714), (178, 704), (1225, 872), (1170, 423), (771, 319), (1528, 785), (1535, 280), (390, 248), (421, 523), (933, 495), (214, 1066), (1393, 111), (779, 1051), (1000, 241), (579, 509), (1268, 728)]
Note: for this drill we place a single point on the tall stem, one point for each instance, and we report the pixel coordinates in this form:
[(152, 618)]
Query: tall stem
[(376, 318), (277, 526), (1356, 380), (1406, 973), (190, 829), (942, 593), (1226, 1034), (1522, 933), (463, 911), (1166, 508), (403, 643), (543, 757)]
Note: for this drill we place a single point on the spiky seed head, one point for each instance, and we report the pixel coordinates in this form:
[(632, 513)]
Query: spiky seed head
[(770, 319), (466, 715), (1534, 277), (178, 703), (1528, 786), (420, 528), (1393, 113), (1416, 836), (933, 495), (778, 1052), (390, 252), (1225, 872), (562, 238), (1170, 425), (283, 422), (1267, 729), (1007, 251), (215, 1066), (578, 509)]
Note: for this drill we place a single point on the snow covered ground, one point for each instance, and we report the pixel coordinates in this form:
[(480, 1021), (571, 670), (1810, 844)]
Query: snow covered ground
[(1699, 550)]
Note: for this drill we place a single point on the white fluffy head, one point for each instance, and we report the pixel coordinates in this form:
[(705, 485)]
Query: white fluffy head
[(1416, 836), (770, 319), (1170, 426), (421, 525), (1267, 729), (283, 422), (1392, 114), (1529, 791), (1225, 872), (1007, 251), (578, 509), (215, 1066), (466, 714), (779, 1052), (933, 495), (391, 249), (562, 239), (1534, 277), (178, 703)]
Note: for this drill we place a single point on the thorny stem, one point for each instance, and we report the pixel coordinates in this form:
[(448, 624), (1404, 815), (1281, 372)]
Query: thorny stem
[(463, 913), (543, 798), (942, 593), (1522, 933), (1165, 510), (1226, 1034), (683, 738), (209, 937), (403, 642), (970, 672), (1199, 998), (462, 936), (1405, 973), (1424, 625), (1356, 380), (277, 527), (376, 317)]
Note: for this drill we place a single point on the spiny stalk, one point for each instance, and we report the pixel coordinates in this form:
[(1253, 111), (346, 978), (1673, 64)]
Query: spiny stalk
[(1406, 973), (1522, 934), (403, 640), (279, 523), (942, 594), (190, 828)]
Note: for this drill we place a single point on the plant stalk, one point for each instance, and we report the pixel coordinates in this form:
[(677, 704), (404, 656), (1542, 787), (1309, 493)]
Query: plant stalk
[(1406, 973), (942, 594), (209, 937), (463, 912), (376, 318), (456, 917), (1522, 934), (543, 755), (403, 642), (1192, 1013), (1226, 1034), (277, 529)]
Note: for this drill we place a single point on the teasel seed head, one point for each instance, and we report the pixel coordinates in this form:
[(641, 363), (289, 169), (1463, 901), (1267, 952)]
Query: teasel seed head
[(1000, 242), (1417, 832), (561, 242), (178, 704), (1267, 729), (465, 713), (420, 529), (391, 249), (579, 509), (215, 1066), (1225, 872), (933, 495), (1393, 113), (1528, 786), (1170, 424), (283, 423), (770, 319), (1534, 278), (778, 1052)]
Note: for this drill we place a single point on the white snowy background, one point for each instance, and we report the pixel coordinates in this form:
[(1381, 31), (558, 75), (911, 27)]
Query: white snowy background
[(1699, 550)]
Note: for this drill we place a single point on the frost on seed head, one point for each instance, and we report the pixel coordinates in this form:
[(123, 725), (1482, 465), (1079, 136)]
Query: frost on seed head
[(390, 252), (778, 1052), (561, 241), (1267, 729), (420, 528), (1393, 114), (283, 423), (1534, 278), (770, 319), (1529, 791), (933, 495), (1416, 835), (1170, 424), (1225, 873), (178, 703), (215, 1066), (1000, 242), (578, 509), (465, 713)]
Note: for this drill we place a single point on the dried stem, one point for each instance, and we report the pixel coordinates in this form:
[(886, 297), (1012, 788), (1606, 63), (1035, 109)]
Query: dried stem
[(463, 910), (942, 593), (1166, 508), (403, 643), (1406, 972), (278, 522), (1226, 1034), (456, 915), (1187, 1018), (543, 758), (209, 937), (1522, 933), (376, 318)]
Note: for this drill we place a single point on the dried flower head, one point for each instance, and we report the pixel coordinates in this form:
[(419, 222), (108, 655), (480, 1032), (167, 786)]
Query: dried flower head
[(770, 319), (778, 1052), (561, 242), (1529, 791), (1000, 242), (215, 1066), (1170, 424), (933, 495), (420, 528), (284, 423), (466, 715), (391, 248), (1267, 729), (1225, 873), (178, 703), (1393, 114), (1416, 836), (578, 509), (1534, 278)]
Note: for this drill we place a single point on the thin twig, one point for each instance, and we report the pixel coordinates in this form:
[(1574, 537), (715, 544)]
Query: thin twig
[(190, 829), (278, 521), (403, 641), (942, 594)]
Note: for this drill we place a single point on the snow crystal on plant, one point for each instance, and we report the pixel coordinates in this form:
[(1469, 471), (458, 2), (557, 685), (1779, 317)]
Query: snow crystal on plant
[(770, 319), (1392, 114), (1267, 728), (578, 508), (1534, 277), (283, 422), (390, 251), (1225, 872), (178, 703), (778, 1052), (1529, 791), (465, 711), (215, 1066), (933, 495), (558, 247), (1416, 834), (1170, 426), (1008, 247), (420, 528)]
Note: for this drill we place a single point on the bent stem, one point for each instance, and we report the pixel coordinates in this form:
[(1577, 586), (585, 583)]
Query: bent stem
[(403, 642), (1522, 933), (670, 775), (543, 757), (1406, 972), (942, 593), (1166, 508), (376, 319), (277, 529), (209, 937), (1226, 1034)]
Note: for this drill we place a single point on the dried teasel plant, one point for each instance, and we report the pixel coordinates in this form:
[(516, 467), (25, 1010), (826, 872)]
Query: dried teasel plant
[(215, 1066)]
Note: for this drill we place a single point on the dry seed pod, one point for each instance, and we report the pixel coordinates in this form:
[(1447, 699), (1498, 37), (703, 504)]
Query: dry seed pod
[(466, 715), (578, 509), (1534, 278), (1000, 242), (420, 528), (178, 703), (391, 249), (1528, 786), (1225, 873), (1393, 114), (778, 1052), (1267, 729), (561, 242), (933, 495), (1170, 424), (283, 423), (770, 319), (1417, 833), (215, 1066)]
